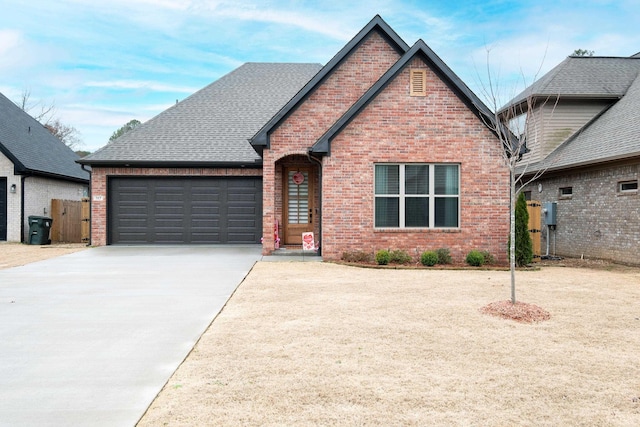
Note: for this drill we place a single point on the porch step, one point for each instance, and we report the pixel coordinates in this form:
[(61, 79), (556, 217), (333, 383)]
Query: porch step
[(293, 255)]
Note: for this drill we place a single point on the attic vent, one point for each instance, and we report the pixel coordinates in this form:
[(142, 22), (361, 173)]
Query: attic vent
[(418, 83)]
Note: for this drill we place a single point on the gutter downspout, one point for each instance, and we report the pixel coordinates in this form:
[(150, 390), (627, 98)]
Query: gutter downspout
[(22, 180), (319, 162), (82, 166)]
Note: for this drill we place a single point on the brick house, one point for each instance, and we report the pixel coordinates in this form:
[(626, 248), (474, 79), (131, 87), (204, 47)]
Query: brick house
[(35, 168), (582, 128), (383, 147)]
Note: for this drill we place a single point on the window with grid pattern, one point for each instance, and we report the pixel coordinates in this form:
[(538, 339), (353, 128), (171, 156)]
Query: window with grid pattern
[(417, 196)]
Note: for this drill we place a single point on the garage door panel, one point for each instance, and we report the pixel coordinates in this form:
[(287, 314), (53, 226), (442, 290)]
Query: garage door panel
[(180, 210)]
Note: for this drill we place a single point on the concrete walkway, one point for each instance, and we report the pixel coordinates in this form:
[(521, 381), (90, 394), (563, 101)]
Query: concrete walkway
[(90, 338)]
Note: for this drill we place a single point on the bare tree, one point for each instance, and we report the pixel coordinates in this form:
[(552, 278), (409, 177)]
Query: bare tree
[(65, 133), (46, 114), (512, 124), (40, 111)]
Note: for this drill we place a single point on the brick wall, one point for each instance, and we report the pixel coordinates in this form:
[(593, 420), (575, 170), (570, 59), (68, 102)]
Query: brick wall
[(398, 128), (596, 221), (393, 128), (100, 175), (310, 120)]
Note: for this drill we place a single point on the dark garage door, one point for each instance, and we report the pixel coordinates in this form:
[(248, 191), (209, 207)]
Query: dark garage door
[(184, 210)]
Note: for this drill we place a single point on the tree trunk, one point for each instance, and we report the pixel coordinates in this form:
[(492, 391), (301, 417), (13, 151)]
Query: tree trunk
[(512, 232)]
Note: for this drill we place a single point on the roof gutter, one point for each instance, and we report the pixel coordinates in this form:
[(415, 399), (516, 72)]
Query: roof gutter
[(257, 164)]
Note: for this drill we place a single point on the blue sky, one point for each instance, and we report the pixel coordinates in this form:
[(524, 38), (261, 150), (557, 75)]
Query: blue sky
[(103, 63)]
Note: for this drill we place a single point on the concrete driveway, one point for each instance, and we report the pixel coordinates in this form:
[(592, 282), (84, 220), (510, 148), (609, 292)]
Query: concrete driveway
[(90, 338)]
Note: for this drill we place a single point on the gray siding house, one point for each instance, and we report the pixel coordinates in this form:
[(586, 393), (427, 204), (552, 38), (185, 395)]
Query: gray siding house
[(35, 168), (583, 136)]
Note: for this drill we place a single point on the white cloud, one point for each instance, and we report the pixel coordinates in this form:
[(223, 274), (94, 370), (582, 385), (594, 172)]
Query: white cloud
[(9, 40), (309, 20), (140, 84)]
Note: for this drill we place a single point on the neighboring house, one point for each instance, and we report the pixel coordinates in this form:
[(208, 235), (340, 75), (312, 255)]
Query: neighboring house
[(583, 133), (383, 147), (35, 167)]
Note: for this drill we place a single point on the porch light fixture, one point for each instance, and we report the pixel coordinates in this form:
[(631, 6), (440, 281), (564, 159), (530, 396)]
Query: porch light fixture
[(12, 188)]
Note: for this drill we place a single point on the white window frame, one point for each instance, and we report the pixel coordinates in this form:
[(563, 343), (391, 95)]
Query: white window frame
[(630, 190), (431, 196)]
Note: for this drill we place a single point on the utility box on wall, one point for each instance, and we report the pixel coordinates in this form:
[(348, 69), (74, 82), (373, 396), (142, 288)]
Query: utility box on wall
[(550, 211)]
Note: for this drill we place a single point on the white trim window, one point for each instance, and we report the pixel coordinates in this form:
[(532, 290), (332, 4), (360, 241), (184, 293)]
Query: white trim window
[(628, 186), (417, 195)]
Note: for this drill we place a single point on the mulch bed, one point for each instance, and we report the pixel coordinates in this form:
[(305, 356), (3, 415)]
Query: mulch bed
[(520, 311)]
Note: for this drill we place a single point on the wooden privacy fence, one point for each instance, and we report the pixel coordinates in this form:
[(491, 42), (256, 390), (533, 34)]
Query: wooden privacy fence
[(70, 221), (534, 210)]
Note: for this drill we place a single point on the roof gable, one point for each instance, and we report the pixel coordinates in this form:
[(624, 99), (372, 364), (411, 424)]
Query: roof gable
[(419, 49), (33, 149), (261, 139)]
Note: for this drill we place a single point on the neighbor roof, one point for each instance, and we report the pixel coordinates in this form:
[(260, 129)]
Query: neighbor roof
[(33, 149), (585, 76), (614, 135), (212, 126)]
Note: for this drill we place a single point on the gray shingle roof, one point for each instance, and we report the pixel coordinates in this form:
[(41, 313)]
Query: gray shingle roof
[(587, 76), (214, 124), (32, 148)]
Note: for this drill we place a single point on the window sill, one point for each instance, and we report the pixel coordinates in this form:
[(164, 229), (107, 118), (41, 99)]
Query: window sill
[(627, 193), (417, 230)]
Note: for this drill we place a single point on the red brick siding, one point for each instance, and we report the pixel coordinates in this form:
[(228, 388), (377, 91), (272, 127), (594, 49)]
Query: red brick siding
[(309, 121), (398, 128), (99, 176)]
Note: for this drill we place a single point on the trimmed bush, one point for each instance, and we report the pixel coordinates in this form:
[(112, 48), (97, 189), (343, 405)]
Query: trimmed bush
[(399, 257), (429, 258), (488, 258), (357, 256), (444, 257), (383, 257), (475, 258)]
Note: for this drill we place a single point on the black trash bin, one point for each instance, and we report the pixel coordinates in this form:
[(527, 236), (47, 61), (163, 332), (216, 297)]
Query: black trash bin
[(39, 228)]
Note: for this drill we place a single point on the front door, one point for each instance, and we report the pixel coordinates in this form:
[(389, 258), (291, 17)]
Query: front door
[(298, 203)]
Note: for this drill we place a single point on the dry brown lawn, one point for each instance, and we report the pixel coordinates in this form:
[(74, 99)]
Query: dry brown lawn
[(326, 344), (17, 254)]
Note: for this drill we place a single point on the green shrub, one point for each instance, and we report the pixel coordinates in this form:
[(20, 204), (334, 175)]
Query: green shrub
[(429, 258), (357, 256), (399, 257), (488, 258), (475, 258), (383, 257), (524, 247), (443, 256)]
